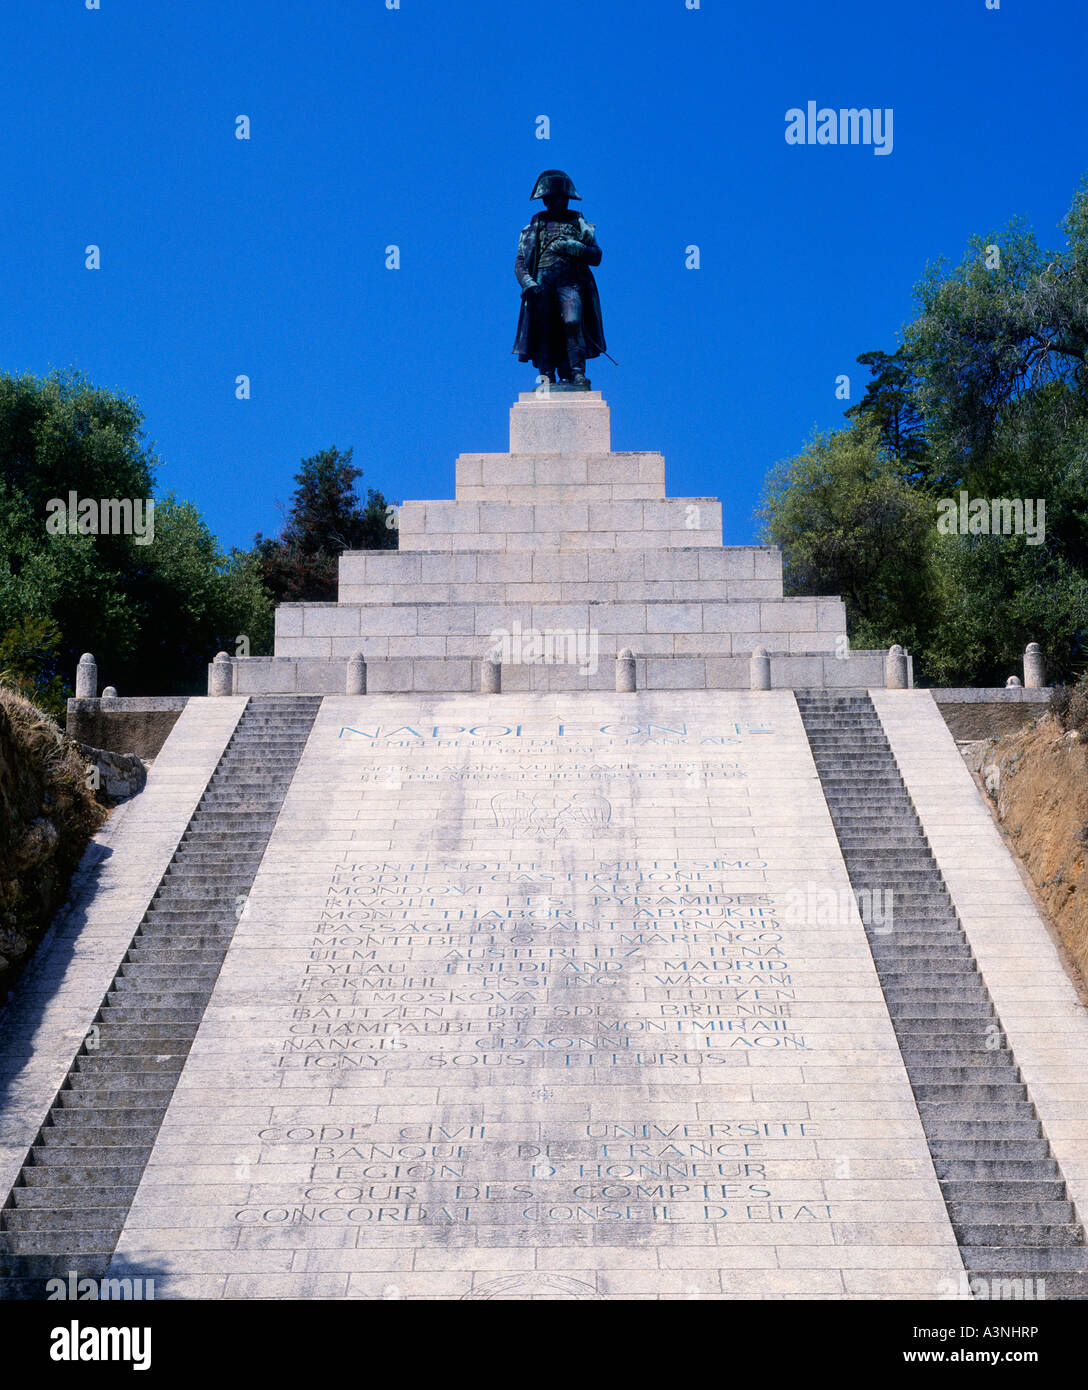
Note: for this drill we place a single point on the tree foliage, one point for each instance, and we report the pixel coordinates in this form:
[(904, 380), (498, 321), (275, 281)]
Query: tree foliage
[(848, 524), (891, 403), (987, 394), (153, 615), (326, 517)]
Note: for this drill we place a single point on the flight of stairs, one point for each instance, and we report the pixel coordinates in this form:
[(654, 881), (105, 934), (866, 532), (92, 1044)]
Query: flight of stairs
[(70, 1201), (1004, 1191)]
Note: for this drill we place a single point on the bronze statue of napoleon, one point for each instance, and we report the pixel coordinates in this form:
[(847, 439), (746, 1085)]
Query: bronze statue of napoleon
[(560, 322)]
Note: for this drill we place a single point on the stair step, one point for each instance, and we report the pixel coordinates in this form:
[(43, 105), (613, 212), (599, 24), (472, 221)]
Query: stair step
[(23, 1224), (87, 1192), (989, 1150), (100, 1143), (1044, 1197), (965, 1170), (1036, 1258), (94, 1260), (1059, 1234), (55, 1182)]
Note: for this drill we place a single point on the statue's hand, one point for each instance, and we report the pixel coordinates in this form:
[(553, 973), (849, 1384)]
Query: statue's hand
[(531, 290), (569, 246)]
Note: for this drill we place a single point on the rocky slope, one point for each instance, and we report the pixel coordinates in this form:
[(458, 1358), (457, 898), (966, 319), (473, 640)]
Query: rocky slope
[(1037, 779), (48, 812)]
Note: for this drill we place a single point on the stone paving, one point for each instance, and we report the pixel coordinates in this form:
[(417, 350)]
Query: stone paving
[(568, 996), (530, 998)]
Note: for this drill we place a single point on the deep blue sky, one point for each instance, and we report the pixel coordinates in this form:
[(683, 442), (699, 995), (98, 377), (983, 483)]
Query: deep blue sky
[(416, 127)]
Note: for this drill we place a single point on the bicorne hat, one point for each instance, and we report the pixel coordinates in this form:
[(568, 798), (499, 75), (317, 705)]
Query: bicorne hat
[(554, 181)]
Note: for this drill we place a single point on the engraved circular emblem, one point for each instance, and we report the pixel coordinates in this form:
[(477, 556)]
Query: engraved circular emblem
[(532, 1286)]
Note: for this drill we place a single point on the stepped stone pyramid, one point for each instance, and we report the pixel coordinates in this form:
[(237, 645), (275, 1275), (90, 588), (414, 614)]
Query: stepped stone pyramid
[(560, 537)]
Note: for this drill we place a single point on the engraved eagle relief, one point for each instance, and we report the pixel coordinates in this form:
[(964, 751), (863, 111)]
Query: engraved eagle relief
[(551, 816), (528, 1287)]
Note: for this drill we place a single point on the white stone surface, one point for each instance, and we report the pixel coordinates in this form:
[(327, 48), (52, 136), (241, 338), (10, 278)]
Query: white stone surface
[(561, 524), (564, 525), (514, 1010), (581, 477), (317, 664), (560, 422)]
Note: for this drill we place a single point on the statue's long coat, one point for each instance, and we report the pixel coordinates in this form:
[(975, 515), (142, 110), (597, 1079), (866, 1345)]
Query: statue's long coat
[(528, 342)]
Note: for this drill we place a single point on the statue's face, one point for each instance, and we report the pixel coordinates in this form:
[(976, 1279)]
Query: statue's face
[(556, 202)]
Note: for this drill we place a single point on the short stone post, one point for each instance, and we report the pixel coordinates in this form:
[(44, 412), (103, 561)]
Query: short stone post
[(1034, 667), (625, 672), (110, 693), (86, 677), (220, 675), (1013, 683), (895, 668), (356, 676), (491, 677), (759, 670)]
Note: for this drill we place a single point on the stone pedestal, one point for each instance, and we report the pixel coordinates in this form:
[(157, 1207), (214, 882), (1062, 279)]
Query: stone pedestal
[(560, 422), (567, 553)]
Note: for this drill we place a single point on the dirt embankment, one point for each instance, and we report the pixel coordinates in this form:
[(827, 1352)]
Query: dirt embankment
[(48, 812), (1037, 779)]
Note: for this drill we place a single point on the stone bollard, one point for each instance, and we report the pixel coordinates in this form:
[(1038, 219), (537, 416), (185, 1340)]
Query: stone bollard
[(625, 671), (86, 677), (491, 677), (221, 675), (1013, 683), (356, 676), (110, 693), (895, 668), (759, 670), (1034, 667)]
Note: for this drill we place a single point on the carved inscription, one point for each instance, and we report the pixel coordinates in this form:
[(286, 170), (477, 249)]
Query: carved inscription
[(558, 963)]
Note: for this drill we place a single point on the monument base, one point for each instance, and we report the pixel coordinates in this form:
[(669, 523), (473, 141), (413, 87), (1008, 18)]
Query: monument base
[(560, 545)]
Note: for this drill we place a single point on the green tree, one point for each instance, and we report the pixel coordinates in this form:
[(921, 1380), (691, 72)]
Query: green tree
[(1006, 327), (988, 394), (191, 600), (326, 517), (61, 434), (890, 402), (153, 614), (847, 524), (1000, 346), (996, 594), (30, 664)]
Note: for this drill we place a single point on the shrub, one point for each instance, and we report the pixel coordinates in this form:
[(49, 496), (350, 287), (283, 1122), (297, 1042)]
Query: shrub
[(1069, 705)]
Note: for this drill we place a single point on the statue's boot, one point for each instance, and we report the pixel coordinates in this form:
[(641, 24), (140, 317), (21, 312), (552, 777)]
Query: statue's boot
[(573, 371), (576, 356)]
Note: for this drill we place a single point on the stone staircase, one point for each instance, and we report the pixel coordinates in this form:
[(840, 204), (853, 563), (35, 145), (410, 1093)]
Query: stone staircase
[(72, 1197), (561, 535), (1006, 1197)]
